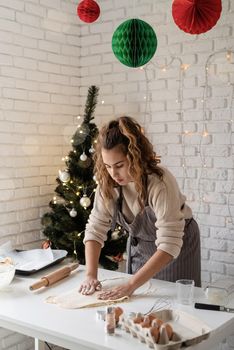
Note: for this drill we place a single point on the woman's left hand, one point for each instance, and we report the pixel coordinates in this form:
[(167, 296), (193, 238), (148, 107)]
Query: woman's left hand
[(116, 293)]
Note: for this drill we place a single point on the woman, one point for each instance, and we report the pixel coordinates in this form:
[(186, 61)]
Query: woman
[(144, 198)]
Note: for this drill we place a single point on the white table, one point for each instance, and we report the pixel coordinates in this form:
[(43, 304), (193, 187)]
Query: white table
[(26, 312)]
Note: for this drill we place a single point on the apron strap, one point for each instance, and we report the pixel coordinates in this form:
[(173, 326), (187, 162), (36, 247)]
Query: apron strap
[(117, 208)]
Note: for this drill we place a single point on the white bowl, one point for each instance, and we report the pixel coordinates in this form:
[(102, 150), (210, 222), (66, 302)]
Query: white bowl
[(7, 273)]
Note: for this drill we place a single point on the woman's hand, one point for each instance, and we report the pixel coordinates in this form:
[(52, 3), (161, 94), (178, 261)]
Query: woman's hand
[(117, 292), (89, 286)]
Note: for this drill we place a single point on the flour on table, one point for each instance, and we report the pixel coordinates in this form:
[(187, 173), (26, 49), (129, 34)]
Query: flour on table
[(75, 300)]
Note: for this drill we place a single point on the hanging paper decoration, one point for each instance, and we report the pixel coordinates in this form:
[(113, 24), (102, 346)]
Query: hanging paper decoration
[(196, 16), (134, 42), (88, 11)]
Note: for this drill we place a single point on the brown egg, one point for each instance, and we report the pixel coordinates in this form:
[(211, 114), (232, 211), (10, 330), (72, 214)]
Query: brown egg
[(146, 322), (138, 319), (154, 331), (169, 330), (151, 317), (157, 322), (118, 312)]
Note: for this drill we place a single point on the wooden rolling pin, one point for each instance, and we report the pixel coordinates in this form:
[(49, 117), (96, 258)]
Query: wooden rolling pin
[(55, 276)]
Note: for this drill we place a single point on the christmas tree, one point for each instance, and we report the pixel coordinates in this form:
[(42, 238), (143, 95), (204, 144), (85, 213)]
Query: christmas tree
[(64, 225)]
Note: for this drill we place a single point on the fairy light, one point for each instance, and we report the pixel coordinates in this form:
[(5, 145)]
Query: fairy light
[(229, 55), (231, 219), (204, 132), (183, 67)]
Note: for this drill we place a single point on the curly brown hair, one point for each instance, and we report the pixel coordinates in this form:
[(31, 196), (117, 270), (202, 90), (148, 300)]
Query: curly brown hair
[(128, 135)]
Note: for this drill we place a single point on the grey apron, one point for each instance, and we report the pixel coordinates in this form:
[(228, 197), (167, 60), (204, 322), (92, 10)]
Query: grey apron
[(141, 245)]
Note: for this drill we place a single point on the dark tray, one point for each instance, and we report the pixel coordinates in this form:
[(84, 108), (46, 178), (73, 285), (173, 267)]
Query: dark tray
[(30, 272)]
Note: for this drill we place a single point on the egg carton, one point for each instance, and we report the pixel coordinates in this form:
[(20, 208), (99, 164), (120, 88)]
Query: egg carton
[(187, 330)]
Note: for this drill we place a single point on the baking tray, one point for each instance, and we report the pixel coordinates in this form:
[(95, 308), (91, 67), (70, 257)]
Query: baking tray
[(61, 255)]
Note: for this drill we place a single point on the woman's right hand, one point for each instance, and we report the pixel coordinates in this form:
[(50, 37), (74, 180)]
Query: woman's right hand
[(89, 286)]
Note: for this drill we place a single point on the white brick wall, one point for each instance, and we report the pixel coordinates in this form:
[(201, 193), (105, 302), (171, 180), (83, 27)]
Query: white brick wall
[(48, 58), (39, 100)]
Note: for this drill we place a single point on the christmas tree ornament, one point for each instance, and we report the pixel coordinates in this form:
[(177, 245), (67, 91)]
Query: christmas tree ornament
[(118, 258), (115, 234), (64, 175), (83, 157), (88, 11), (46, 244), (92, 150), (85, 201), (73, 213), (134, 42), (196, 16)]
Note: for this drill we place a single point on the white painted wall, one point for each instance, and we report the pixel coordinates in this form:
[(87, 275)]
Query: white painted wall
[(48, 58)]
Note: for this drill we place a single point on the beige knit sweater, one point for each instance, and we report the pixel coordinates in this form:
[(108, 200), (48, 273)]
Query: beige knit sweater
[(165, 199)]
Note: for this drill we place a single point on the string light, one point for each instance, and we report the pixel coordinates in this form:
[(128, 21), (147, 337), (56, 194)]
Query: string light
[(205, 133), (229, 56), (182, 68), (202, 132)]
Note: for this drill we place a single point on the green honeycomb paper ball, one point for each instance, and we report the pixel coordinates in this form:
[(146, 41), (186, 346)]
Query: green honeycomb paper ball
[(134, 42)]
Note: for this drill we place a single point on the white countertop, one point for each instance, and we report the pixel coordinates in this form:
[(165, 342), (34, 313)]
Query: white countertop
[(26, 312)]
